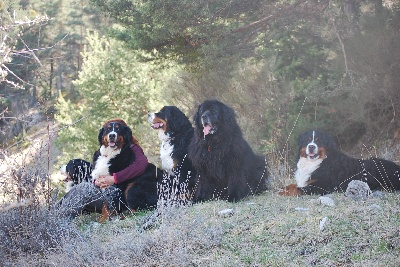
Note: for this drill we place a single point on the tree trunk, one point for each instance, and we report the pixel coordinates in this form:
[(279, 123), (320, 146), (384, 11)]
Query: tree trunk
[(351, 10), (59, 77), (378, 8), (51, 76)]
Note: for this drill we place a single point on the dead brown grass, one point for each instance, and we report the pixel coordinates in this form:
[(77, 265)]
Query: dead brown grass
[(265, 230)]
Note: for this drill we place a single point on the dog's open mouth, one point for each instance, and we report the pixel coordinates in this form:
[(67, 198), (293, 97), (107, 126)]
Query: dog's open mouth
[(208, 129), (157, 125), (112, 144), (313, 155)]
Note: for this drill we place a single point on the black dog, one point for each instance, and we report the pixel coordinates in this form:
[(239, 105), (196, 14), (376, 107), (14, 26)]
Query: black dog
[(226, 166), (322, 168), (76, 171), (175, 132), (114, 155)]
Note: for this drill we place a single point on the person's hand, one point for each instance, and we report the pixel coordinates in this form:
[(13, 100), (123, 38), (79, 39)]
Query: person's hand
[(104, 181)]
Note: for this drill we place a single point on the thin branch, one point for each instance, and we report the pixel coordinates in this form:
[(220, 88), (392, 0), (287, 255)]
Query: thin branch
[(22, 203), (15, 75), (15, 118), (31, 52), (343, 49), (261, 22)]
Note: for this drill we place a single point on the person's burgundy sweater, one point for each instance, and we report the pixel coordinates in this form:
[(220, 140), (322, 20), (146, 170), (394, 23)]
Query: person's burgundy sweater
[(136, 168)]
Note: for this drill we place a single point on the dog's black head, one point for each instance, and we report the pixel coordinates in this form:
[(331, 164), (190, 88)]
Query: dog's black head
[(170, 119), (315, 144), (212, 117), (115, 134), (77, 171)]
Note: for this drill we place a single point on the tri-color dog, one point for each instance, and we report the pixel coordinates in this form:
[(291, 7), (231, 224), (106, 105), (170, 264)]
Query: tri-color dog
[(175, 133), (322, 168)]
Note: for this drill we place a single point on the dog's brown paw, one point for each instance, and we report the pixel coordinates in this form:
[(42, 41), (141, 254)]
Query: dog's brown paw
[(290, 190), (105, 213)]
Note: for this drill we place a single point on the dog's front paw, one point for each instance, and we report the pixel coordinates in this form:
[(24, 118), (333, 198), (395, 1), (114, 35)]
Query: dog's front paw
[(290, 190)]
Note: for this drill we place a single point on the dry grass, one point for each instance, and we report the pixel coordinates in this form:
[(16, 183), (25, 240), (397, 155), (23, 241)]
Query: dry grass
[(264, 230)]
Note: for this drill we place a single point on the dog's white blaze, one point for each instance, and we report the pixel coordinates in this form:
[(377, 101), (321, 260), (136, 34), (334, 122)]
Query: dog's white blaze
[(312, 143), (305, 167), (166, 150), (103, 161), (112, 132)]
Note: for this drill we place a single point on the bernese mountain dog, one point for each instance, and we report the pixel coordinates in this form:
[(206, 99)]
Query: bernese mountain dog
[(114, 155), (322, 168), (76, 171), (226, 165), (175, 132)]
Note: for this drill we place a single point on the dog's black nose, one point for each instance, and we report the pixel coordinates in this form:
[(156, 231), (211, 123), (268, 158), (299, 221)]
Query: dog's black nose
[(311, 147), (111, 136)]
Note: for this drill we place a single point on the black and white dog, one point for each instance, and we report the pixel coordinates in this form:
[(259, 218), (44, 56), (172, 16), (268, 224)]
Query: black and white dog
[(116, 154), (322, 168), (76, 171), (175, 133)]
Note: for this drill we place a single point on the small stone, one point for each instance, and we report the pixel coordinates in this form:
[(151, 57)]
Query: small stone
[(226, 212), (326, 201), (323, 223), (375, 207), (301, 209), (358, 190)]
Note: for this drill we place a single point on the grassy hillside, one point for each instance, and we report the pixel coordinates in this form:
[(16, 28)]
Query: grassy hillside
[(267, 230)]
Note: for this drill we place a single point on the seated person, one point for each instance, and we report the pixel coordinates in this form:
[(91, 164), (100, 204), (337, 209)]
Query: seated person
[(106, 193)]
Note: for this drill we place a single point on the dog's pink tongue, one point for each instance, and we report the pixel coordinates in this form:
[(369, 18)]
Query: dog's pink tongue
[(111, 144), (157, 125), (206, 129)]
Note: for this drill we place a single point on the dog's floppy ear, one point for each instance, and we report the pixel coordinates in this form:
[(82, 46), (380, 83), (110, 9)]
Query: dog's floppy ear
[(171, 119), (100, 136), (176, 120), (196, 117), (327, 140), (302, 139), (228, 114), (128, 135)]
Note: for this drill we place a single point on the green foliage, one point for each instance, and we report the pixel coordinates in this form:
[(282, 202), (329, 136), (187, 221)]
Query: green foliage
[(189, 31), (113, 84), (298, 53), (77, 137)]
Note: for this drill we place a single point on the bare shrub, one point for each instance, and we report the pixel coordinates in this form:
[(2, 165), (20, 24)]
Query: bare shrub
[(280, 170), (29, 225), (174, 191), (32, 229), (181, 234)]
